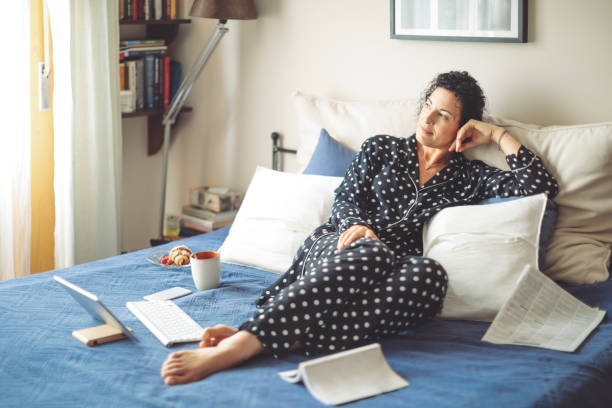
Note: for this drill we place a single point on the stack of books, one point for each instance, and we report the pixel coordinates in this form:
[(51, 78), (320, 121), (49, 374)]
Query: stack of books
[(135, 10), (148, 78), (209, 208), (195, 220)]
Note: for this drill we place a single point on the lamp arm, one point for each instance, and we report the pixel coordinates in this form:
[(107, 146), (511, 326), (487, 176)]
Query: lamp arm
[(187, 85), (177, 103)]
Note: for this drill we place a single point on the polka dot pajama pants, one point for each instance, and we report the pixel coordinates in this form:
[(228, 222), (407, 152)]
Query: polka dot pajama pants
[(340, 299)]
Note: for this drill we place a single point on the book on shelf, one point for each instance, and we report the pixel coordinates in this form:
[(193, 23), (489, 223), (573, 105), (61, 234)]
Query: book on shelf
[(159, 11), (175, 77), (122, 76), (127, 100), (140, 84), (166, 82), (140, 43), (200, 224), (140, 51), (162, 78), (204, 214), (159, 46), (153, 78), (149, 73), (131, 75), (156, 79), (173, 7), (135, 10)]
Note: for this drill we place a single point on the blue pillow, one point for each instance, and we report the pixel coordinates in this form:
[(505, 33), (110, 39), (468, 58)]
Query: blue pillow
[(549, 222), (330, 158)]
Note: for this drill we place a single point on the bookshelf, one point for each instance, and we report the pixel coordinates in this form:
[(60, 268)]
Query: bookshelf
[(167, 30)]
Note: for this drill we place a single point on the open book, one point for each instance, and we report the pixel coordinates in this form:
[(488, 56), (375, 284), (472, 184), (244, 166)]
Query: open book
[(539, 313), (347, 376)]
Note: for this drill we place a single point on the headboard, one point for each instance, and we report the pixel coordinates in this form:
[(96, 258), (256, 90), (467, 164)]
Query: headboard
[(277, 149)]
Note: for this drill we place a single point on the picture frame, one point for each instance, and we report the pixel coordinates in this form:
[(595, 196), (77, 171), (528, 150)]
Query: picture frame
[(459, 20)]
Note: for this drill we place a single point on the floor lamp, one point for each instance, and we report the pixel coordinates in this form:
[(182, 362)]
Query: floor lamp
[(222, 10)]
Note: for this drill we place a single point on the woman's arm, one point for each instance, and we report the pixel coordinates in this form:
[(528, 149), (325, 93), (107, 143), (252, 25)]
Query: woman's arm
[(475, 133), (527, 175), (350, 203)]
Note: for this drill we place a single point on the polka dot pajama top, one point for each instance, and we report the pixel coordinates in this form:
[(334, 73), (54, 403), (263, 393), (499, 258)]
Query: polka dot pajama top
[(330, 300)]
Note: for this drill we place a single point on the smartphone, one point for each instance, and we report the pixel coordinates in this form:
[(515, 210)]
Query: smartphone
[(168, 294)]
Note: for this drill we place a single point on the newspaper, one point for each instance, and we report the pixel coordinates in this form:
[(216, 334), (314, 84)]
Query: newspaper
[(539, 313), (347, 376)]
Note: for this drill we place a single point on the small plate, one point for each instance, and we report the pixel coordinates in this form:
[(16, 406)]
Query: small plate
[(155, 258)]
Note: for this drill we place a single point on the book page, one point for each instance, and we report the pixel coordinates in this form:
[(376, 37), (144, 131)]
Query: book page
[(292, 376), (347, 376), (539, 313)]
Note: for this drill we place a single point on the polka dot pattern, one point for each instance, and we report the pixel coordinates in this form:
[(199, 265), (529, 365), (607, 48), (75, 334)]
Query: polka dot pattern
[(359, 294), (331, 300)]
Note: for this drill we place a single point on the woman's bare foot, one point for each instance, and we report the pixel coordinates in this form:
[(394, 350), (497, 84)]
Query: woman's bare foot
[(187, 366), (212, 336)]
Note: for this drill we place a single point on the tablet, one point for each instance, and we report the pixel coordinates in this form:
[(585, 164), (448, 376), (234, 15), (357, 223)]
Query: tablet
[(94, 306)]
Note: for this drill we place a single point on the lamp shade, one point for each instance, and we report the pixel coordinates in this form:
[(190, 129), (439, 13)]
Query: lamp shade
[(224, 9)]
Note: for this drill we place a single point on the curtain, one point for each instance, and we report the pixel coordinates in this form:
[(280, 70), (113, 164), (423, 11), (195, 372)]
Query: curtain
[(87, 130), (15, 142)]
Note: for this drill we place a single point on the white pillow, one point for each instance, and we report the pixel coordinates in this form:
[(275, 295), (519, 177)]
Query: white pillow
[(580, 158), (278, 212), (350, 123), (483, 249)]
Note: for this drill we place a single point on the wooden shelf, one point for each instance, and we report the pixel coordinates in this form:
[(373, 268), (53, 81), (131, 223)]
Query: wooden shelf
[(155, 130), (166, 30), (150, 112), (159, 29)]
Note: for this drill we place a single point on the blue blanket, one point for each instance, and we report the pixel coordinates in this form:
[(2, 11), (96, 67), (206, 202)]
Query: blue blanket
[(445, 361)]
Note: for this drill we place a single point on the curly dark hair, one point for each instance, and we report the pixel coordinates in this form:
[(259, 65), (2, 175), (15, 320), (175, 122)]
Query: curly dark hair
[(465, 88)]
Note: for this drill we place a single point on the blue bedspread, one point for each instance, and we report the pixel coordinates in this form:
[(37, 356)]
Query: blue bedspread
[(445, 361)]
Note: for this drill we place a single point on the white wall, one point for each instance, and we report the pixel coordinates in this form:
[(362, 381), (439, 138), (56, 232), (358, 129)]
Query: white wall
[(342, 49)]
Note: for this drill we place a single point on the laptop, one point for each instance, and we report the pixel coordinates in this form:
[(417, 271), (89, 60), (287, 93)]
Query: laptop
[(96, 309)]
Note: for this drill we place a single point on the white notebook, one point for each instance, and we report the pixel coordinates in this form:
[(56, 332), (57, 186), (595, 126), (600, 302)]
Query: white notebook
[(347, 376)]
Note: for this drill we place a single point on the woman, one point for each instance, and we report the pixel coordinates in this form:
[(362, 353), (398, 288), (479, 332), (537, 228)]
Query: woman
[(361, 277)]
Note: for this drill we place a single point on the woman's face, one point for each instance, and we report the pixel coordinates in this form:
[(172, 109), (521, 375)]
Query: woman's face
[(439, 119)]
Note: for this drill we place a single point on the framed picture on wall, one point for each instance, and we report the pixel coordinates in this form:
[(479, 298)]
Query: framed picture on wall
[(459, 20)]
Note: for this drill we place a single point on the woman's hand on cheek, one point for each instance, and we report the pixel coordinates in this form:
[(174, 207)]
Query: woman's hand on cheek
[(354, 233), (474, 133)]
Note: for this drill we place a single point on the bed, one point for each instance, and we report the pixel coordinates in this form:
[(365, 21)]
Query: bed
[(445, 361)]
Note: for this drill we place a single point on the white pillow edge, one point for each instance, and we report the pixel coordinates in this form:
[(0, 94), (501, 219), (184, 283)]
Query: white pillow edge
[(512, 123), (263, 171), (533, 263), (542, 211), (391, 101)]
